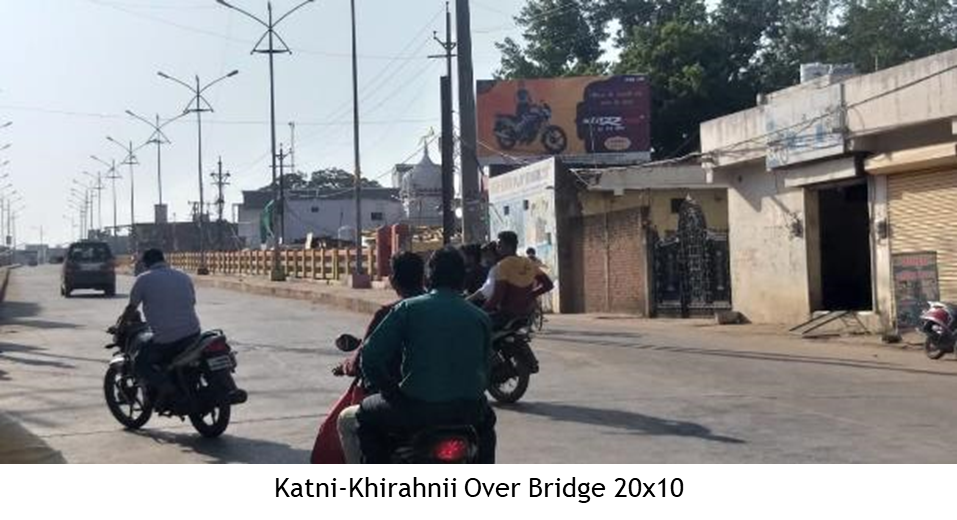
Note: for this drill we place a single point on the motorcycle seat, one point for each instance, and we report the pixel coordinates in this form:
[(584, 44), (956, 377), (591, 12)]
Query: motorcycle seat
[(193, 352)]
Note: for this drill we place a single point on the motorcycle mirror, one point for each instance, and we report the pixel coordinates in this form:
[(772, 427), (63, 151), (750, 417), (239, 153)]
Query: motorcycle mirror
[(348, 343)]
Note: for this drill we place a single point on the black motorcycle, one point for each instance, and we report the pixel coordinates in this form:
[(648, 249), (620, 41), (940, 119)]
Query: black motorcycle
[(452, 444), (512, 362), (511, 130), (202, 375)]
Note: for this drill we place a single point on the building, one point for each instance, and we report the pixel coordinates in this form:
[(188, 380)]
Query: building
[(648, 241), (320, 213), (842, 191), (420, 189)]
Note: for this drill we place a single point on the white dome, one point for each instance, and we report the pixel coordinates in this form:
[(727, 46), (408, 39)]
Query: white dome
[(424, 179)]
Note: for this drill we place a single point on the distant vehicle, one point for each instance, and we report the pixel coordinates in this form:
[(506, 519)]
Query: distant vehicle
[(56, 260), (88, 265), (32, 262)]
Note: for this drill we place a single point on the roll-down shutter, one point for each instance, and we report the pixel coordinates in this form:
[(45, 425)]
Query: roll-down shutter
[(923, 218)]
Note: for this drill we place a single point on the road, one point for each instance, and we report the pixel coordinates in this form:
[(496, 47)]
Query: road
[(610, 391)]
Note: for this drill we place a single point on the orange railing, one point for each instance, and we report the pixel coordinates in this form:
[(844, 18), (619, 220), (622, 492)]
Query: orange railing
[(314, 264)]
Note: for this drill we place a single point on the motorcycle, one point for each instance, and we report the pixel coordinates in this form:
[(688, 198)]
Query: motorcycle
[(453, 444), (938, 324), (513, 362), (202, 375), (511, 130)]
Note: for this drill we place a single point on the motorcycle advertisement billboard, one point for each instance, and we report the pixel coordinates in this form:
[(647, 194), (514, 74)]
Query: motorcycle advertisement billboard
[(593, 120)]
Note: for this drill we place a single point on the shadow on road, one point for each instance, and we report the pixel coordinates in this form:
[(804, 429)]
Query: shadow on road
[(635, 423), (600, 339), (231, 449), (28, 355), (22, 314), (97, 296)]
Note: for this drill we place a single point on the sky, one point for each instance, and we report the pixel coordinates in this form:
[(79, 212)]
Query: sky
[(71, 68)]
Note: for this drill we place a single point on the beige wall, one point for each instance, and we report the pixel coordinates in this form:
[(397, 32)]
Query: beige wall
[(769, 265), (713, 202)]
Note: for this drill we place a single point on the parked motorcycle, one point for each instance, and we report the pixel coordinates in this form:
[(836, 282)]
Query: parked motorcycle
[(938, 324), (453, 444), (511, 130), (202, 375), (513, 362)]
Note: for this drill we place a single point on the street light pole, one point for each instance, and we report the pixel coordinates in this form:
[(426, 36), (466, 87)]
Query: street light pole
[(357, 275), (198, 105), (158, 138), (113, 177), (131, 161), (271, 36)]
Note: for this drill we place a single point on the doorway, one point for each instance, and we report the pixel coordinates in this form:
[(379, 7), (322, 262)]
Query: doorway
[(845, 248)]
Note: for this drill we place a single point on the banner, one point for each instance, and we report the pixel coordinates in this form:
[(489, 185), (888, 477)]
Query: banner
[(584, 120)]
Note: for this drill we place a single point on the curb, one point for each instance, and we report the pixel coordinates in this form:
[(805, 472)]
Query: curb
[(350, 303), (5, 281)]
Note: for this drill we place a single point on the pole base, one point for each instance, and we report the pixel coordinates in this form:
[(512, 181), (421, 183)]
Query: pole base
[(277, 275), (359, 281), (202, 271)]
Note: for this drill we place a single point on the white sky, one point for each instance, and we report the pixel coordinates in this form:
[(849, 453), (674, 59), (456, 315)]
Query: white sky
[(70, 68)]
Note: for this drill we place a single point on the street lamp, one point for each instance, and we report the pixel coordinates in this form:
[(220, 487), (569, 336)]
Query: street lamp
[(4, 147), (159, 139), (88, 190), (130, 161), (271, 36), (113, 177), (5, 125), (98, 188), (6, 201), (197, 106)]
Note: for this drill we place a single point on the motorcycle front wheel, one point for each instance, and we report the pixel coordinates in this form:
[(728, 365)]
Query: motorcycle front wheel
[(506, 138), (126, 399), (932, 350), (508, 389)]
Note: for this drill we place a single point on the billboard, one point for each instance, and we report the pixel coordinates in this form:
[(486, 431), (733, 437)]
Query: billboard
[(595, 120)]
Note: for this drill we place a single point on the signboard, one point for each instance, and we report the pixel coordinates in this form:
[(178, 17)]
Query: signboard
[(915, 284), (595, 120), (805, 126)]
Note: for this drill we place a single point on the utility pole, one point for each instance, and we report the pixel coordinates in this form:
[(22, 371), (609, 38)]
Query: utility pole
[(448, 144), (159, 139), (292, 147), (220, 180), (358, 280), (282, 197), (271, 51), (473, 221), (130, 161), (198, 105)]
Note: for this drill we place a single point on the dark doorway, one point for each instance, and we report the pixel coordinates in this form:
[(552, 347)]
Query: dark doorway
[(845, 248)]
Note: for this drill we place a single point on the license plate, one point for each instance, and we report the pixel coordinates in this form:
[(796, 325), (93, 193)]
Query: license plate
[(90, 267), (220, 363)]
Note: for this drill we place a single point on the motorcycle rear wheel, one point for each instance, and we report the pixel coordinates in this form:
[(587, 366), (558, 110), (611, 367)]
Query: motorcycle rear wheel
[(932, 350), (126, 399), (217, 423), (503, 391), (555, 140)]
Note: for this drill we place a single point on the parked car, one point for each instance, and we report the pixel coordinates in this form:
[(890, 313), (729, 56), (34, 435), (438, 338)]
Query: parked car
[(89, 265)]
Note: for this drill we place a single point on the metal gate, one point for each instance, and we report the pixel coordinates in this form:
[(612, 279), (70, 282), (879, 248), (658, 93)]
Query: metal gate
[(692, 274)]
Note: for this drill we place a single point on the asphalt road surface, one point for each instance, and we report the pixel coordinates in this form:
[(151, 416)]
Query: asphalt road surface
[(609, 392)]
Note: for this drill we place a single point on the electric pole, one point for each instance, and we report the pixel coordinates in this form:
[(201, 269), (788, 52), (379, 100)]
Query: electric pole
[(112, 177), (357, 279), (282, 197), (448, 145), (220, 180), (292, 147), (473, 221)]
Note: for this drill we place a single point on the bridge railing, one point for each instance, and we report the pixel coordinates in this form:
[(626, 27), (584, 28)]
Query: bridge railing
[(314, 264)]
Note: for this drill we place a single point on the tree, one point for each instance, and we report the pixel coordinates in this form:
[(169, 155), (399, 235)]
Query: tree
[(561, 40), (326, 179)]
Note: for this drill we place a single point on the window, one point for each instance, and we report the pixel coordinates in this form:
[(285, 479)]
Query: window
[(377, 216), (315, 209), (505, 211), (527, 205)]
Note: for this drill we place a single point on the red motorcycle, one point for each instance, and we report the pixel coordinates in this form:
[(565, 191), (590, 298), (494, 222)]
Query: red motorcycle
[(938, 324)]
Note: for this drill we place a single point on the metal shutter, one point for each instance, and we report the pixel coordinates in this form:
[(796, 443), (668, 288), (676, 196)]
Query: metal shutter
[(923, 217)]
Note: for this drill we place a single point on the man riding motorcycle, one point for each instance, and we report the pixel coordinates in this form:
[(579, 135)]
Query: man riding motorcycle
[(516, 283), (443, 344), (169, 304), (337, 441)]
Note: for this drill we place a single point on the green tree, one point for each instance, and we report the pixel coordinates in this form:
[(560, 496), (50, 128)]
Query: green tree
[(326, 179), (561, 39)]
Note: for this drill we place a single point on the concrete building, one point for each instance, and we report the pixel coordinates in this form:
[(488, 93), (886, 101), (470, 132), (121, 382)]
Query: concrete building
[(644, 241), (842, 194), (321, 213)]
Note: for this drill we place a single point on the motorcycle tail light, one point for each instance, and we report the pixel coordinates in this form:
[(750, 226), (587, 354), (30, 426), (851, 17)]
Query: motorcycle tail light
[(451, 450), (218, 346)]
